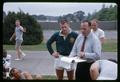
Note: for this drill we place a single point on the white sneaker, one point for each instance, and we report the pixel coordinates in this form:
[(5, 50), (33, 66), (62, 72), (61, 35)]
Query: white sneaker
[(17, 59), (23, 54)]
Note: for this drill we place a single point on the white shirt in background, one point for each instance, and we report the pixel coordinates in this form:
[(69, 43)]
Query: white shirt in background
[(99, 33)]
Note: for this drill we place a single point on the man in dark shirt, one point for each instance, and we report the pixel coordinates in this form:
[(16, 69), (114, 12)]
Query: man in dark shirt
[(64, 39)]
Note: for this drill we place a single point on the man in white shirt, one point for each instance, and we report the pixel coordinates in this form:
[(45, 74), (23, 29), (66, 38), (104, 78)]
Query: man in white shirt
[(87, 46), (98, 32), (19, 39), (104, 70)]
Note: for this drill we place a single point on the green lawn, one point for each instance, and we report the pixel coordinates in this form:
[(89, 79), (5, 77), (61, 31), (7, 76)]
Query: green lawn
[(109, 46), (39, 47), (49, 77)]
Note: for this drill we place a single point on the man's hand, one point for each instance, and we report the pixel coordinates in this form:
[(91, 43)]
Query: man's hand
[(12, 36), (24, 29), (10, 39), (55, 54), (82, 54)]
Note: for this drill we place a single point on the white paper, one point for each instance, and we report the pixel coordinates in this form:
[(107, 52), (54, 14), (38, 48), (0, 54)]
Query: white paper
[(68, 62), (71, 59)]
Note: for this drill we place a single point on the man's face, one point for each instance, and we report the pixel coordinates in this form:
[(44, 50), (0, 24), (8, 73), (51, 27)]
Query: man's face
[(85, 29), (64, 27), (94, 24), (17, 23)]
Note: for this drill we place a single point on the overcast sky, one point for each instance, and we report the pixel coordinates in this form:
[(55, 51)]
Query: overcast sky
[(52, 8)]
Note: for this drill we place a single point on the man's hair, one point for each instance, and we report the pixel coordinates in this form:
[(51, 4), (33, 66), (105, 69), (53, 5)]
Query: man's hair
[(17, 20), (113, 60), (89, 23), (63, 21), (95, 20), (11, 72)]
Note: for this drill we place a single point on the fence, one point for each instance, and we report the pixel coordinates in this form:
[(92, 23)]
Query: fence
[(105, 25)]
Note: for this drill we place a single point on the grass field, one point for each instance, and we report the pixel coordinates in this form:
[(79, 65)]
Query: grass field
[(50, 77), (109, 46)]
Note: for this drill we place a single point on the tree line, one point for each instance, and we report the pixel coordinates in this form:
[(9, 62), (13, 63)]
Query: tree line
[(104, 14)]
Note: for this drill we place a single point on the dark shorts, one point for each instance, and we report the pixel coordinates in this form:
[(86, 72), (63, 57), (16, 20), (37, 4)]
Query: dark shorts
[(82, 71)]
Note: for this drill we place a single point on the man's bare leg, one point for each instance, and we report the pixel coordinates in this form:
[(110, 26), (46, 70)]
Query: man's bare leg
[(18, 53), (22, 53), (70, 74), (59, 74)]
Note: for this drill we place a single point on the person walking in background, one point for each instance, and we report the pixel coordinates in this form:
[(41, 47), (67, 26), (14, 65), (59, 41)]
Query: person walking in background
[(87, 46), (97, 31), (19, 39), (64, 39)]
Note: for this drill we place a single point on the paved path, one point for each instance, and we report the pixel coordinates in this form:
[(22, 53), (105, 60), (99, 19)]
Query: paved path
[(41, 62)]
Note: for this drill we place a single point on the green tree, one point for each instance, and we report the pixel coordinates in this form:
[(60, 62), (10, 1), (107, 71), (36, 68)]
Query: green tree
[(80, 15), (34, 34), (105, 14)]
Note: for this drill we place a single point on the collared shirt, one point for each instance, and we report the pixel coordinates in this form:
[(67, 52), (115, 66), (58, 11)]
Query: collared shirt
[(99, 33), (19, 33), (63, 45), (92, 47), (60, 33)]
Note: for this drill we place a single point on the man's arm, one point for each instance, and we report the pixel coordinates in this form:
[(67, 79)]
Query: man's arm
[(49, 46), (12, 36), (94, 71), (102, 36), (49, 43), (23, 29), (102, 40), (28, 76)]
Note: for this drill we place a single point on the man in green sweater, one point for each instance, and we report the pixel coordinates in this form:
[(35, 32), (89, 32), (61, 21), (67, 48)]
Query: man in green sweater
[(64, 39)]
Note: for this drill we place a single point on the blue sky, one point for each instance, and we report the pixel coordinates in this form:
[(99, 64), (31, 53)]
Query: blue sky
[(53, 8)]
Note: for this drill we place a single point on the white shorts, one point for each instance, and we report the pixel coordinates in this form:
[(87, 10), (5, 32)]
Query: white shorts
[(58, 66)]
